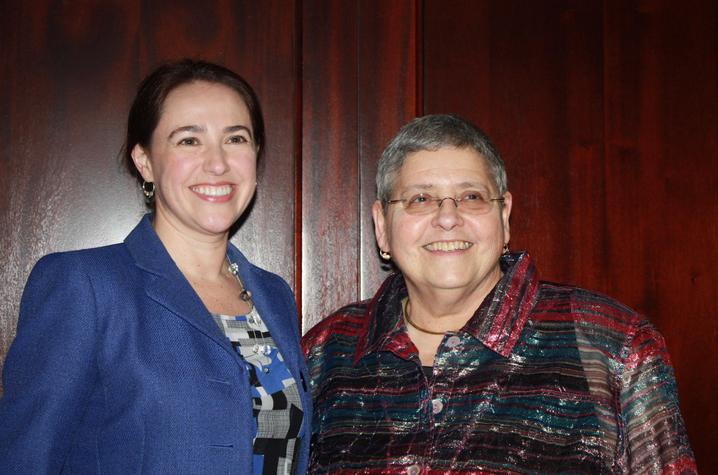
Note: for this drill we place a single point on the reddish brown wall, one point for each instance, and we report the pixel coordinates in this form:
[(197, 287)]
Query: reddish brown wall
[(606, 112)]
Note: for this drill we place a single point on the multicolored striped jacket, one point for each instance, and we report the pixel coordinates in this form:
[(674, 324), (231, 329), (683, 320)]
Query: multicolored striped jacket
[(544, 378)]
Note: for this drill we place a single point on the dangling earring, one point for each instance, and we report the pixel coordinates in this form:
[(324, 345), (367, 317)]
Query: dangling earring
[(506, 248), (148, 188), (384, 254)]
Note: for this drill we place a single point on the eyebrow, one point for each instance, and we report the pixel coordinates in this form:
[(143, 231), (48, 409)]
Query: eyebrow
[(198, 129), (235, 128), (465, 184)]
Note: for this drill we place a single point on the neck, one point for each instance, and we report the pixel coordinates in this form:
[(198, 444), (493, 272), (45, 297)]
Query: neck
[(196, 256), (437, 311)]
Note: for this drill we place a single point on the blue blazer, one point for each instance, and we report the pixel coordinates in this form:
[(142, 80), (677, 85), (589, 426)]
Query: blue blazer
[(118, 367)]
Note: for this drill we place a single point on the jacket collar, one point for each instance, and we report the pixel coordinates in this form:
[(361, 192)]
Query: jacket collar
[(497, 323), (165, 283)]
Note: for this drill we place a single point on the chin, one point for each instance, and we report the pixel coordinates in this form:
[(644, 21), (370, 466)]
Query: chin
[(449, 282), (218, 226)]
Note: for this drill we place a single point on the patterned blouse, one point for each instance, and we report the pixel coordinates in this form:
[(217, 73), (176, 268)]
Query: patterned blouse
[(544, 378), (275, 399)]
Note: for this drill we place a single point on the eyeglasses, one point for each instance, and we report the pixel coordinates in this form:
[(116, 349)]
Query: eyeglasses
[(423, 203)]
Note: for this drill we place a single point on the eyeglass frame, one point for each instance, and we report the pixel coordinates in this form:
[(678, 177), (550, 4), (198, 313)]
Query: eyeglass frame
[(440, 201)]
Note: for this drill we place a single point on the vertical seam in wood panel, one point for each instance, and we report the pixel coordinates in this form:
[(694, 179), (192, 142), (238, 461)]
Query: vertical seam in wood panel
[(298, 155), (359, 134), (605, 251), (419, 52)]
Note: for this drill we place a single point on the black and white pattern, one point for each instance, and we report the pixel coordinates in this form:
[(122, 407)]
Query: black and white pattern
[(275, 397)]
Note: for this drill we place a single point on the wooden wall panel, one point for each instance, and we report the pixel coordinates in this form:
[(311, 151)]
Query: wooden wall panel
[(532, 79), (359, 83), (330, 188), (387, 99), (605, 113), (662, 169), (65, 94)]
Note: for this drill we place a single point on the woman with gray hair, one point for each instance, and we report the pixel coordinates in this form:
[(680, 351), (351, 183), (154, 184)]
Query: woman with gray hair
[(464, 362)]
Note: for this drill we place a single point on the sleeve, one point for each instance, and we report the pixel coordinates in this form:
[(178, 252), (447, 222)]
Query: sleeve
[(656, 440), (49, 370)]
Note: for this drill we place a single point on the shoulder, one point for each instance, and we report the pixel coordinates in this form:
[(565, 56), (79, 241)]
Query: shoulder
[(581, 302), (85, 262), (346, 323), (600, 320)]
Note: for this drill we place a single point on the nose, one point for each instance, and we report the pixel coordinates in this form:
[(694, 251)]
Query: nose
[(215, 161), (448, 216)]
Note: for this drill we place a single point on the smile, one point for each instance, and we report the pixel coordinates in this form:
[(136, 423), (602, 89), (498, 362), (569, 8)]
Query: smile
[(209, 190), (448, 246)]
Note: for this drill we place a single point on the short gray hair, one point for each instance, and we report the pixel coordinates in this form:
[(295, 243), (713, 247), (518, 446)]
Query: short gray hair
[(432, 132)]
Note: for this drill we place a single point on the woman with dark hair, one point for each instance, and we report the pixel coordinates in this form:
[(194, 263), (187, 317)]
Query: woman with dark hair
[(169, 352)]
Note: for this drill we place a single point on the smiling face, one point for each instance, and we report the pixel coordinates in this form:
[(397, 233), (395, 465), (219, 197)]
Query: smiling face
[(202, 159), (449, 248)]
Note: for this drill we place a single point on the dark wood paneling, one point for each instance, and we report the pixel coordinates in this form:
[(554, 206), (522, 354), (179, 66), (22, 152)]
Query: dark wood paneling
[(387, 91), (532, 78), (330, 187), (606, 114), (359, 87), (65, 95), (661, 161)]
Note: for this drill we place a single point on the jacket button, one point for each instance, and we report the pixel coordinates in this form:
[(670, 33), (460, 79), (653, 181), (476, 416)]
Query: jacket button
[(453, 341), (437, 406), (413, 470)]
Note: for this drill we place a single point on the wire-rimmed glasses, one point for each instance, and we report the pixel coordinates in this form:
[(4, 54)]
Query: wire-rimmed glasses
[(470, 201)]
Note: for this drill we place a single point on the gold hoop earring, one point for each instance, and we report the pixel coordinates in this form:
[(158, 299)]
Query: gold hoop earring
[(384, 254), (506, 248)]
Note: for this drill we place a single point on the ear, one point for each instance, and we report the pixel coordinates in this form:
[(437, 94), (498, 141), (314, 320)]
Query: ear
[(505, 214), (142, 162), (380, 232)]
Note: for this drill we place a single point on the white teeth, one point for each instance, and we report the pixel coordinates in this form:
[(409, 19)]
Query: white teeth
[(213, 190), (448, 246)]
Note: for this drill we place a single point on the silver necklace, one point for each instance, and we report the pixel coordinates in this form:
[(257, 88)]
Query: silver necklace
[(244, 294)]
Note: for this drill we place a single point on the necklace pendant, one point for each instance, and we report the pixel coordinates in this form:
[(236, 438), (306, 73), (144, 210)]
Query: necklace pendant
[(233, 268), (245, 295)]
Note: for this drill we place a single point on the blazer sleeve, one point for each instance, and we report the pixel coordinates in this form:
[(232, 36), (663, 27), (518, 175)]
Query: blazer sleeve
[(50, 368), (656, 437)]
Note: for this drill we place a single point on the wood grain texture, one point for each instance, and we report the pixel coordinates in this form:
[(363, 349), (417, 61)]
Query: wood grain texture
[(661, 160), (605, 113), (387, 91), (66, 97), (330, 186), (532, 79), (359, 83)]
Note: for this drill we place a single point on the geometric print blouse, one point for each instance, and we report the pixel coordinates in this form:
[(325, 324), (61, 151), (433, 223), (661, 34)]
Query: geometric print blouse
[(276, 405)]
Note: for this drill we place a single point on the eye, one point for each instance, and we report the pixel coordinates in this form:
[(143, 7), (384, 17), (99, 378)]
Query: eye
[(237, 139), (473, 196), (420, 199), (188, 141)]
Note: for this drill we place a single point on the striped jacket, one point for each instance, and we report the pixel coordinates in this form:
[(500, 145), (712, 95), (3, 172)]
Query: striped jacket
[(544, 378)]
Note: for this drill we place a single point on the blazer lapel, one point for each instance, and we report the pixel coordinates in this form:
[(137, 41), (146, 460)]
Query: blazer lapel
[(165, 284), (275, 310)]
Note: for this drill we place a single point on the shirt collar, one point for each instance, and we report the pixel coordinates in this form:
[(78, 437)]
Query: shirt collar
[(497, 323)]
